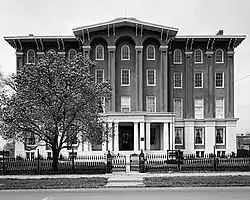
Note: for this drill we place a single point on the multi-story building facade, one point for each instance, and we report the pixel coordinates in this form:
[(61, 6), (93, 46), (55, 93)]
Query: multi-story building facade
[(169, 91)]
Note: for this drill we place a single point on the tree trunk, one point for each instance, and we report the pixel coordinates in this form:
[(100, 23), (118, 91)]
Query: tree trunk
[(55, 160)]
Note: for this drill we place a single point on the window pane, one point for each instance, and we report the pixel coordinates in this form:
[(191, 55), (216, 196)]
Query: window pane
[(99, 52), (177, 80), (151, 77), (125, 52), (31, 56), (151, 104), (177, 56), (198, 56), (72, 53), (219, 108), (99, 75), (199, 108), (199, 135), (219, 79), (125, 77), (125, 104), (220, 135), (178, 108), (150, 52), (219, 56), (198, 80), (178, 136)]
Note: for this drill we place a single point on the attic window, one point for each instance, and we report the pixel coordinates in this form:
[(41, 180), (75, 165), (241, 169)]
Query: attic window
[(31, 57), (125, 52)]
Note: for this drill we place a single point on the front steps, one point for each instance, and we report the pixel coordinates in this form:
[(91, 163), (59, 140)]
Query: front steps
[(122, 179)]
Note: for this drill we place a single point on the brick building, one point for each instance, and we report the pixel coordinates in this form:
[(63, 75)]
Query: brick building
[(169, 91)]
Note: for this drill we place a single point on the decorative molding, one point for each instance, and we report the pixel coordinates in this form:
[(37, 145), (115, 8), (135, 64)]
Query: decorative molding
[(188, 52), (209, 52), (162, 48), (230, 52), (138, 47), (111, 47), (40, 53), (86, 47), (61, 52), (19, 53)]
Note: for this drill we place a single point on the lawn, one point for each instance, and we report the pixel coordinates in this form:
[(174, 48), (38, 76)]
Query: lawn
[(197, 181), (52, 183)]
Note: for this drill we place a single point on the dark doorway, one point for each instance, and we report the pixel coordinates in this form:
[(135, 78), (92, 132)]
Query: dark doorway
[(126, 138)]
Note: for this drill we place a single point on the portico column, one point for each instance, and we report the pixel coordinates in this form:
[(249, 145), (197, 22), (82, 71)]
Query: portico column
[(210, 91), (172, 136), (85, 146), (110, 139), (165, 137), (104, 143), (147, 136), (142, 136), (116, 137), (139, 79), (86, 51), (111, 74), (136, 134), (164, 79)]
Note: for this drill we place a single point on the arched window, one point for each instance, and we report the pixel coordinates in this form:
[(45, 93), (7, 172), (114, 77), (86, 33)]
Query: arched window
[(71, 54), (125, 52), (52, 51), (219, 55), (99, 52), (150, 52), (31, 56), (177, 56), (198, 56)]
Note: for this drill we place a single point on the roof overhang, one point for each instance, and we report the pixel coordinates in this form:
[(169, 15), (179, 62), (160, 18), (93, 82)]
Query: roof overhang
[(14, 40), (234, 39), (119, 22)]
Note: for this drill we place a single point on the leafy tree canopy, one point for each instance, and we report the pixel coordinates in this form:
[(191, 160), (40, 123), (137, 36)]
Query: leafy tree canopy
[(55, 101)]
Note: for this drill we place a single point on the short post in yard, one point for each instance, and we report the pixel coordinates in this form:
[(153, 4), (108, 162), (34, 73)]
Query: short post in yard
[(141, 162), (73, 163), (214, 159), (109, 162), (3, 163), (38, 162)]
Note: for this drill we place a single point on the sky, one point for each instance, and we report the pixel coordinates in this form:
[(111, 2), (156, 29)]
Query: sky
[(59, 17)]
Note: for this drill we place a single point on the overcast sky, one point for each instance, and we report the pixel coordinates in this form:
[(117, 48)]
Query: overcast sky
[(59, 17)]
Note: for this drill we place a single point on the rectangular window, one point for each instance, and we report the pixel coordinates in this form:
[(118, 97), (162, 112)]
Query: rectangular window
[(198, 80), (219, 104), (178, 108), (199, 136), (219, 80), (151, 77), (125, 77), (199, 108), (99, 75), (125, 104), (179, 136), (177, 80), (220, 135), (151, 103)]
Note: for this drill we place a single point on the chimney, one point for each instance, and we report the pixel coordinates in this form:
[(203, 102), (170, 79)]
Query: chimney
[(220, 32), (31, 34)]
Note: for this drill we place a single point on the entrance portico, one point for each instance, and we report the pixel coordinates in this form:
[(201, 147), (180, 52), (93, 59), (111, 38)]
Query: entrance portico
[(137, 131)]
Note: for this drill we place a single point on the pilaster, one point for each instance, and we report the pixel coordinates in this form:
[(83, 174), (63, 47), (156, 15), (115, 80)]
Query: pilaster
[(142, 136), (116, 137), (111, 74), (139, 79), (147, 136), (229, 77), (86, 51), (165, 137), (136, 134), (164, 78)]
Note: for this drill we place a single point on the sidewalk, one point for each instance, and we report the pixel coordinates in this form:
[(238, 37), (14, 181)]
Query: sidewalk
[(128, 174)]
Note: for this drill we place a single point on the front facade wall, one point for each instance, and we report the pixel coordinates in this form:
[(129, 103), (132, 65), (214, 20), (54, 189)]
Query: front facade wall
[(163, 90)]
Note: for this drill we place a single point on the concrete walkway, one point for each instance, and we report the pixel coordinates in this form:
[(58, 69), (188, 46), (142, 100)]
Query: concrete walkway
[(129, 174)]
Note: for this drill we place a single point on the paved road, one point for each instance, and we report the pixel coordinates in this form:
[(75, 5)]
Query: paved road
[(131, 194)]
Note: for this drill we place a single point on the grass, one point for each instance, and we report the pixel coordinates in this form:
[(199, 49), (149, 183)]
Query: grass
[(197, 181), (49, 183)]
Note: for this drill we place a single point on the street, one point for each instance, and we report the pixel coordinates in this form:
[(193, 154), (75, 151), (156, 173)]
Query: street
[(131, 194)]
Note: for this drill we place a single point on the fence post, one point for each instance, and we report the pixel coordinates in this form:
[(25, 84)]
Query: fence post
[(73, 163), (179, 160), (109, 162), (3, 163), (141, 162), (38, 162), (214, 159)]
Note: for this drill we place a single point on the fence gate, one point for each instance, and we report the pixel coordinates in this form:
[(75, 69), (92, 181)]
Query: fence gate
[(134, 162), (119, 163)]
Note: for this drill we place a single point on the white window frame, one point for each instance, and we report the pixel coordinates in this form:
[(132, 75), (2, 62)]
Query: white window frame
[(201, 79), (182, 136), (122, 57), (220, 108), (177, 62), (224, 135), (96, 48), (178, 108), (196, 62), (153, 52), (202, 136), (197, 115), (148, 84), (71, 50), (222, 55), (27, 61), (222, 79), (151, 107), (175, 73), (96, 72), (125, 106), (122, 70)]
